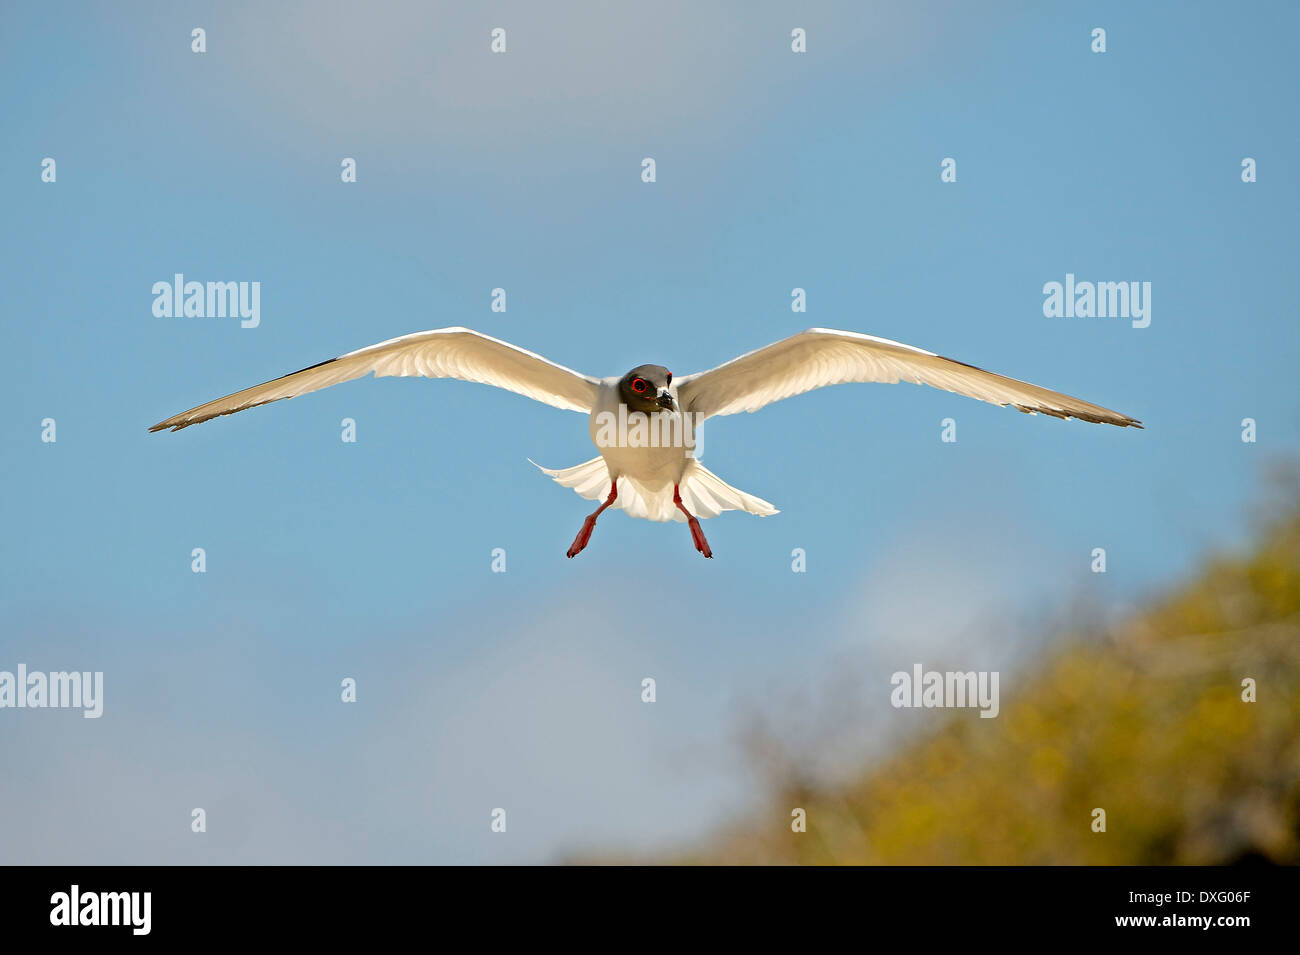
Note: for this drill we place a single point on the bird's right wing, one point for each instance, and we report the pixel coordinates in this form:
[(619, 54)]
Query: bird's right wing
[(439, 353), (825, 356)]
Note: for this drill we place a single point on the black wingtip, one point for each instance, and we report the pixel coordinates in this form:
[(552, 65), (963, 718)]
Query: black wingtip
[(327, 361)]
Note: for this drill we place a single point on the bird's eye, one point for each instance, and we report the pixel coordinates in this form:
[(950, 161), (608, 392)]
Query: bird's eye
[(670, 378), (639, 385)]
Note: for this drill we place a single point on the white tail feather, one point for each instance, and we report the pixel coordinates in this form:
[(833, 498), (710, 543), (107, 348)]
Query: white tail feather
[(703, 492)]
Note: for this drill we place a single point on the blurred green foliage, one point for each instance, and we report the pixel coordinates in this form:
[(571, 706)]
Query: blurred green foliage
[(1145, 719)]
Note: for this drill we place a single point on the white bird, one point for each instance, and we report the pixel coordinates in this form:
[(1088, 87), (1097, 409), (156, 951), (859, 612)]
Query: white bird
[(643, 423)]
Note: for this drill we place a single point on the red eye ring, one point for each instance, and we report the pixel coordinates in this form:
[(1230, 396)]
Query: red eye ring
[(639, 385)]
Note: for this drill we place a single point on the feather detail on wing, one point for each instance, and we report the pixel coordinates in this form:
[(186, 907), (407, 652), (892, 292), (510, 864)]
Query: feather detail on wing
[(824, 356), (438, 353)]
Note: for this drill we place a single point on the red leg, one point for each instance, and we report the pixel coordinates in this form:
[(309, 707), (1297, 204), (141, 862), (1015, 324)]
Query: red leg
[(697, 532), (589, 524)]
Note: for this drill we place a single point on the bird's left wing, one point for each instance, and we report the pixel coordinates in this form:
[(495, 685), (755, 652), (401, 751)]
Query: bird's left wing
[(825, 356), (440, 353)]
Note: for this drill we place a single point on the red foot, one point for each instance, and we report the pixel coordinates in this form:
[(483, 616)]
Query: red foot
[(589, 524), (583, 537), (697, 532)]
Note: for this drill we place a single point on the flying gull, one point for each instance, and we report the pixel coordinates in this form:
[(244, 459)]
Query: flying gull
[(643, 423)]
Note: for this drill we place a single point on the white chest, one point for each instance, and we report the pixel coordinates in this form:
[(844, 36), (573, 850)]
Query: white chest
[(651, 449)]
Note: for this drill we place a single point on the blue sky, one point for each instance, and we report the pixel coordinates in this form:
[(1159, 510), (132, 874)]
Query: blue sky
[(373, 560)]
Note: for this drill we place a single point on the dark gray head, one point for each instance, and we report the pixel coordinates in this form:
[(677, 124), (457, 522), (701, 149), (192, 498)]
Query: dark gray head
[(645, 388)]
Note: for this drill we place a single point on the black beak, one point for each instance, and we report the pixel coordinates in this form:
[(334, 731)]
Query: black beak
[(666, 401)]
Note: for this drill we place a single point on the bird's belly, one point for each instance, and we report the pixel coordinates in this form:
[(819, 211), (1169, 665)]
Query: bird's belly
[(650, 466), (654, 450)]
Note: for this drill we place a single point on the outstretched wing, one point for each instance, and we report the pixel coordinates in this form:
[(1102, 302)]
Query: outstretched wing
[(439, 353), (825, 356)]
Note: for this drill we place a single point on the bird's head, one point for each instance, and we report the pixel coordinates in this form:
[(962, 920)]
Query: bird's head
[(645, 388)]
